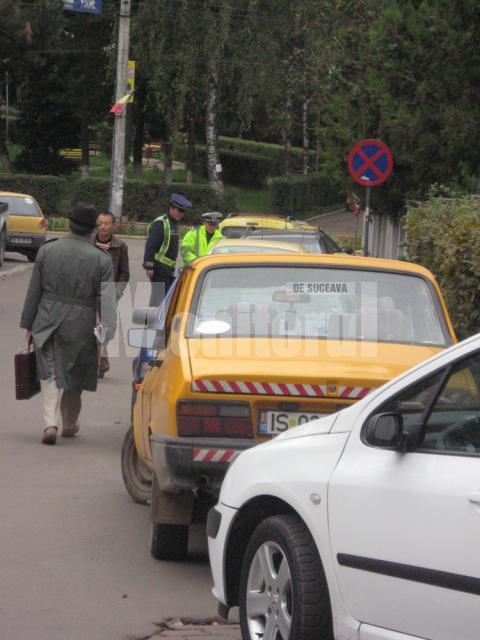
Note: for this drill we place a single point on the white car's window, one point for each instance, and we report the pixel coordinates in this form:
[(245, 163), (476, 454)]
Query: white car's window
[(21, 206), (319, 302), (444, 409), (454, 422)]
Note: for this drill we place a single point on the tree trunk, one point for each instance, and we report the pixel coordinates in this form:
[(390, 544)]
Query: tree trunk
[(4, 159), (191, 150), (138, 141), (317, 143), (84, 146), (288, 131), (306, 138), (213, 165), (167, 163)]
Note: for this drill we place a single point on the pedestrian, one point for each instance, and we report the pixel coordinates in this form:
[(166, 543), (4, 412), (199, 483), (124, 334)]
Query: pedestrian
[(105, 238), (72, 279), (198, 242), (161, 248)]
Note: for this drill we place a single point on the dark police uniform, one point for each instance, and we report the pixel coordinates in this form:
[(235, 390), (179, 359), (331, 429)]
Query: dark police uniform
[(161, 250)]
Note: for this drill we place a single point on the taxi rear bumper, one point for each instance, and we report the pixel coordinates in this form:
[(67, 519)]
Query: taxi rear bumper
[(187, 464)]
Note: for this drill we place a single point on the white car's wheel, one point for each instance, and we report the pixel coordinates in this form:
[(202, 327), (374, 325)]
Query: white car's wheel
[(283, 590)]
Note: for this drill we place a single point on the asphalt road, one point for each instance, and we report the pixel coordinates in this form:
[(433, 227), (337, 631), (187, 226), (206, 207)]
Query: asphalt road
[(74, 549)]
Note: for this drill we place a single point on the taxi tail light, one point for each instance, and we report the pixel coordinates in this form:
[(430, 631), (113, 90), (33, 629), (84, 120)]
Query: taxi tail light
[(43, 223), (223, 419)]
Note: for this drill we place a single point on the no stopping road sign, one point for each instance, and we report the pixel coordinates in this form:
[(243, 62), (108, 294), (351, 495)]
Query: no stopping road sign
[(370, 162)]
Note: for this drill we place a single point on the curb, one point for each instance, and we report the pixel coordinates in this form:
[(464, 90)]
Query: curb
[(211, 629), (4, 275)]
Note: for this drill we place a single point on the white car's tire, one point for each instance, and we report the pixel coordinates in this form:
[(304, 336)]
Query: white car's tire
[(283, 590)]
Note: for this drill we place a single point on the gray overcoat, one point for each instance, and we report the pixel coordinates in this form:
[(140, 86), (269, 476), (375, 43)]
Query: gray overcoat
[(71, 280)]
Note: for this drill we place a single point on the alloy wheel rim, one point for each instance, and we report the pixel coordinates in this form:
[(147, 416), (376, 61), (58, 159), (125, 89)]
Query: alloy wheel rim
[(269, 594)]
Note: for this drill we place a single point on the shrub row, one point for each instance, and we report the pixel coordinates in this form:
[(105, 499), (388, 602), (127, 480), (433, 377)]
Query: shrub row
[(142, 201), (305, 194), (276, 153), (239, 168), (444, 235)]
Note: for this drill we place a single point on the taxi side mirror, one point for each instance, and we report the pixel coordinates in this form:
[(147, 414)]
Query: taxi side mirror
[(144, 316), (141, 338)]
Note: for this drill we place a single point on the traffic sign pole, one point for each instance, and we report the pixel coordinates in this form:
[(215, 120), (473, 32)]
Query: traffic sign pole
[(370, 162), (366, 221)]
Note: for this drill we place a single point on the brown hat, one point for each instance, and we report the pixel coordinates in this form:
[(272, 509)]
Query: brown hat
[(84, 215)]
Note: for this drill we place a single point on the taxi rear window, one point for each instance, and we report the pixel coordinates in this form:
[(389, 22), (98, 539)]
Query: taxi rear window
[(21, 206), (318, 302)]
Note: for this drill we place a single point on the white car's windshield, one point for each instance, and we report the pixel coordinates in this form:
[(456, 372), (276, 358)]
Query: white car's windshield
[(318, 302)]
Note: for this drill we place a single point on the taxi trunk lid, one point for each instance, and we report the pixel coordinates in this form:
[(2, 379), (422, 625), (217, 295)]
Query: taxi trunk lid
[(301, 368)]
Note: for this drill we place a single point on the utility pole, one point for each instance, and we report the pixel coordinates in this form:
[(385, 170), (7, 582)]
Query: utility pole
[(7, 107), (118, 151)]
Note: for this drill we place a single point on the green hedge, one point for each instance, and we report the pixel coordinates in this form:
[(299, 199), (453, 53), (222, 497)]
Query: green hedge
[(276, 153), (305, 194), (49, 191), (142, 201), (444, 235), (239, 168)]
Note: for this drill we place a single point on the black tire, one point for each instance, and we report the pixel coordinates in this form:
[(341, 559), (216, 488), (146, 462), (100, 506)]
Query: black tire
[(169, 541), (136, 476), (299, 604), (3, 244), (31, 256)]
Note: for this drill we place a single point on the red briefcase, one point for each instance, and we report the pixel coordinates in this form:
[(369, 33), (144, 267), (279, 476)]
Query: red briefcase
[(26, 382)]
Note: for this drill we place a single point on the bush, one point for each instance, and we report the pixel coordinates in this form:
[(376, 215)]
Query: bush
[(239, 169), (305, 194), (141, 201), (49, 191), (444, 235), (276, 153)]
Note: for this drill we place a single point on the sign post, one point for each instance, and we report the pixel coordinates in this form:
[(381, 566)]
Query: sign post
[(370, 162)]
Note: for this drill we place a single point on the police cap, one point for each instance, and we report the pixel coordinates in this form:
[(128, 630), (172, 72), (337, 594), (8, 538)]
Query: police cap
[(84, 215), (212, 216), (179, 201)]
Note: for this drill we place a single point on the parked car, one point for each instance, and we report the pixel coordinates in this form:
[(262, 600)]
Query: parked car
[(256, 226), (250, 346), (363, 524), (247, 245), (3, 229), (235, 224), (27, 227)]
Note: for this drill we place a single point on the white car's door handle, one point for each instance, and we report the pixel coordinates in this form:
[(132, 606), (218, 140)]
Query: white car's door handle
[(474, 497)]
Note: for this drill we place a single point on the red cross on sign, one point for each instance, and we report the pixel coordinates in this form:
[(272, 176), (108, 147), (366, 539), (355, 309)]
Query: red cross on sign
[(370, 162)]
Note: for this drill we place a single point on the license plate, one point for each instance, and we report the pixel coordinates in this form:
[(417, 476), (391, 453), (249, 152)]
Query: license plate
[(273, 422), (21, 240)]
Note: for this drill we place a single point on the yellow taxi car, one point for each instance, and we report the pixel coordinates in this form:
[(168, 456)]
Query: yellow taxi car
[(250, 346), (247, 245), (27, 227), (267, 226)]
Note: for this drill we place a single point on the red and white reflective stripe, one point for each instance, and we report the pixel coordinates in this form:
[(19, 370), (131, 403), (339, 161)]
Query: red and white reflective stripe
[(277, 389), (354, 392), (214, 455)]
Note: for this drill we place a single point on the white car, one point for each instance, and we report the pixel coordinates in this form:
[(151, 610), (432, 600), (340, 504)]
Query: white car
[(364, 524)]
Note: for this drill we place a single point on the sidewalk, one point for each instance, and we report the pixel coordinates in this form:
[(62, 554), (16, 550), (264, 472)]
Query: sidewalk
[(215, 629)]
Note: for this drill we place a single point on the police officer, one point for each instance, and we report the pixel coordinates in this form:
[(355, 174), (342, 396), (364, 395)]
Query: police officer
[(161, 248), (198, 242)]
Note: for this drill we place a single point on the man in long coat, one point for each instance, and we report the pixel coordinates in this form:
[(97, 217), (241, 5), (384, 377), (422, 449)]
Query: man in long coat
[(71, 280)]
